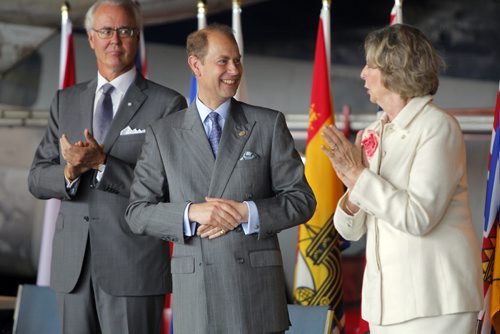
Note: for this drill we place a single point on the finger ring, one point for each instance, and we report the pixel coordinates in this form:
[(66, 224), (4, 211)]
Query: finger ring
[(222, 231), (334, 147)]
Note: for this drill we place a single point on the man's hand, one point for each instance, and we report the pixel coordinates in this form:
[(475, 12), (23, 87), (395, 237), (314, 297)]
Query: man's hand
[(212, 232), (81, 156), (216, 216)]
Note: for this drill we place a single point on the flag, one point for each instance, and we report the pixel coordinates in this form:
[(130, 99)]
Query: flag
[(318, 275), (141, 61), (66, 79), (490, 316), (397, 13), (241, 93), (202, 23)]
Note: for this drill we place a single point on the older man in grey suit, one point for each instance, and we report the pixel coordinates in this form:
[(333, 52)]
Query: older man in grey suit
[(221, 179), (107, 279)]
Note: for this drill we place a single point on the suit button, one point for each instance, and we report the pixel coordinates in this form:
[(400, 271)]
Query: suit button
[(240, 260), (248, 196), (86, 218), (239, 229), (92, 186)]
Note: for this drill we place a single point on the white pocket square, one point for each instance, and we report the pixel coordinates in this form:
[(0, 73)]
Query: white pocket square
[(249, 156), (129, 131)]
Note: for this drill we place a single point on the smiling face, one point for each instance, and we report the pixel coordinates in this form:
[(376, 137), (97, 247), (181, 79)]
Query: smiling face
[(219, 72), (115, 55)]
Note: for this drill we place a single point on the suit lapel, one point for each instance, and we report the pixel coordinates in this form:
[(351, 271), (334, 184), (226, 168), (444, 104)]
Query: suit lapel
[(194, 138), (132, 101), (235, 134), (86, 110)]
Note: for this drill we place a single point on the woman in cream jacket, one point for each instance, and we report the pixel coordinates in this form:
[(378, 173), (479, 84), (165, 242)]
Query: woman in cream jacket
[(407, 190)]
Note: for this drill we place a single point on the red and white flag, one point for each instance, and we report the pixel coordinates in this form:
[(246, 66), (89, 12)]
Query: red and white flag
[(397, 12), (67, 74)]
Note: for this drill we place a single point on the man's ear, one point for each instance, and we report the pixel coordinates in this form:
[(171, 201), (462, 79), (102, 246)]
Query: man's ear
[(194, 64), (91, 40)]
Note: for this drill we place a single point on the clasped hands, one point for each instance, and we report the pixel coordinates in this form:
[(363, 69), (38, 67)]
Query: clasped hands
[(81, 156), (348, 160), (216, 216)]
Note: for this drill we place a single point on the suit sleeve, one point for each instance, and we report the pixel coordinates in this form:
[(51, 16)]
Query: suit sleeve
[(149, 211), (118, 175), (350, 227), (46, 176), (293, 202)]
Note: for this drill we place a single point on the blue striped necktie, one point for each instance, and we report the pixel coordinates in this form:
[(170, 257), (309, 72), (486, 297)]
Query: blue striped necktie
[(103, 114), (215, 133)]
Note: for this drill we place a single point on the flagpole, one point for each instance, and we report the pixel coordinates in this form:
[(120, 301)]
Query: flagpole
[(325, 16), (202, 14), (202, 23), (241, 93), (65, 30)]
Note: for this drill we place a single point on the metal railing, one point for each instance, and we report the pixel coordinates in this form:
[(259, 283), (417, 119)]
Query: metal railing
[(472, 121)]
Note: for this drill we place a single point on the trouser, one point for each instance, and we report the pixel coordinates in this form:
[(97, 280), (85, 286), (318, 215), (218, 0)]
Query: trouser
[(90, 310)]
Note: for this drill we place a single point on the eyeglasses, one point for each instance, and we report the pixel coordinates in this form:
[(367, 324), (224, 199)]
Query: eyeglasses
[(107, 33)]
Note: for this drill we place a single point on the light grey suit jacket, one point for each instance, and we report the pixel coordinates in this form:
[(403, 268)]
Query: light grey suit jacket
[(122, 263), (234, 283)]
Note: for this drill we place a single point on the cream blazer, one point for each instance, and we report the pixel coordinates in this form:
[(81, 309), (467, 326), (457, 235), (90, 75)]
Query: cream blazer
[(423, 257)]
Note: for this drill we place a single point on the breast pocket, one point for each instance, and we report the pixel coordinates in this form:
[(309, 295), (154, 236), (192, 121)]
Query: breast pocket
[(128, 147)]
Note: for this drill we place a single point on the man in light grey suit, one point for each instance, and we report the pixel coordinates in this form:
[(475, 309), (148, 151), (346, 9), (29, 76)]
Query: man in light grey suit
[(221, 179), (107, 279)]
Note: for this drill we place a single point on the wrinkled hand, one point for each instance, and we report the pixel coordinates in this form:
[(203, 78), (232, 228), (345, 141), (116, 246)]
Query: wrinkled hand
[(347, 159), (216, 216), (81, 156)]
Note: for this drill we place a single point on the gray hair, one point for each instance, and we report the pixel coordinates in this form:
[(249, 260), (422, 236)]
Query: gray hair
[(131, 6)]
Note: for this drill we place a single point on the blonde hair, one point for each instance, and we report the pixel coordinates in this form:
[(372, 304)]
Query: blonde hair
[(406, 58)]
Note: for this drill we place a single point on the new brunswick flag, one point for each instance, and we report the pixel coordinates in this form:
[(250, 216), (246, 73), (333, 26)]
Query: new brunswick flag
[(318, 276), (490, 316)]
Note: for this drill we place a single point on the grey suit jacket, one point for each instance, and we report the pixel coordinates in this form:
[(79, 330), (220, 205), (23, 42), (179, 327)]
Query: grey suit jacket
[(234, 283), (122, 263)]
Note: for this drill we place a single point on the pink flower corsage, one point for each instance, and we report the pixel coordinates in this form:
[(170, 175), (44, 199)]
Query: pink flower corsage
[(370, 143)]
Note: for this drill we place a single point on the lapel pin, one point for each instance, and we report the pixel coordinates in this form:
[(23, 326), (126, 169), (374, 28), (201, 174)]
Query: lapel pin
[(129, 104), (242, 133)]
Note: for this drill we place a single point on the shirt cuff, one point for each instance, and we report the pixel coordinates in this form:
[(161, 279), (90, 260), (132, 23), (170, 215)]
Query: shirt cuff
[(189, 227), (253, 224), (72, 186)]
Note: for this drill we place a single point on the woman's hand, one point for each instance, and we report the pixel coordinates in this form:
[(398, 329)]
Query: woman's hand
[(346, 158)]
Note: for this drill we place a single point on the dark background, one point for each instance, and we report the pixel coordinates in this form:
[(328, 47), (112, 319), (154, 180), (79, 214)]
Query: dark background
[(466, 32)]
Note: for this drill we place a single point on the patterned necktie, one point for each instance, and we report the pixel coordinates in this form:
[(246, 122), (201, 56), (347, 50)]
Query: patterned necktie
[(215, 133), (103, 114)]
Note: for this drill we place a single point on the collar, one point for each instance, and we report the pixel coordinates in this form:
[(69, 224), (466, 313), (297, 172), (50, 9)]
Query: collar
[(203, 110), (410, 111), (121, 82)]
